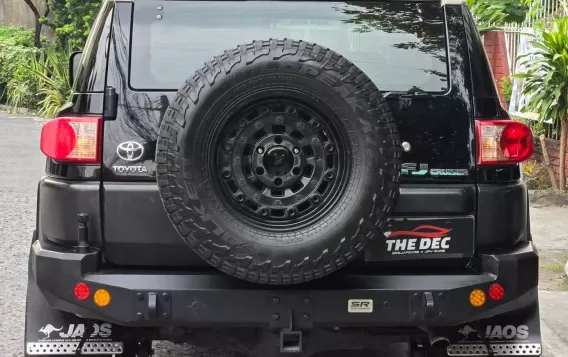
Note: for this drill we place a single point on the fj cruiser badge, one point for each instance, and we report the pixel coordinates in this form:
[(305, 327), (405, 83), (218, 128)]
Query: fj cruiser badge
[(363, 306), (412, 169)]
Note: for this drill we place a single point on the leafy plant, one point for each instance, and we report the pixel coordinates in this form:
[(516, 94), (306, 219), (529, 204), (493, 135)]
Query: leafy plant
[(545, 78), (48, 76), (491, 15)]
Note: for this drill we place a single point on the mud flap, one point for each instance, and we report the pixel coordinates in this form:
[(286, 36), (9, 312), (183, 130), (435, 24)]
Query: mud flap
[(512, 334), (54, 333)]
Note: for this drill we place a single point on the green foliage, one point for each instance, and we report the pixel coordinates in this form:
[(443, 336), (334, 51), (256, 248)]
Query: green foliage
[(72, 20), (546, 72), (507, 88), (46, 78), (493, 14), (16, 47)]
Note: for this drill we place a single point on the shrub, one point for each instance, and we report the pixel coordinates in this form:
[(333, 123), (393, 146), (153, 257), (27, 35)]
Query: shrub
[(16, 48), (536, 175)]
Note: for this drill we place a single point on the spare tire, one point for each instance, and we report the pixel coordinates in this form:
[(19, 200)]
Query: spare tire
[(278, 162)]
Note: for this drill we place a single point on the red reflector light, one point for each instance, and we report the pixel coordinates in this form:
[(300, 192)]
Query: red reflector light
[(75, 139), (496, 292), (501, 142), (82, 291)]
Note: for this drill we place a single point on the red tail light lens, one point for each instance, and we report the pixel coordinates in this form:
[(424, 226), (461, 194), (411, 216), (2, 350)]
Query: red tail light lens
[(81, 291), (74, 139), (496, 292), (501, 142)]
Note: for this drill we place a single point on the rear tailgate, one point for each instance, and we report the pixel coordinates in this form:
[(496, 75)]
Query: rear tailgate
[(419, 62)]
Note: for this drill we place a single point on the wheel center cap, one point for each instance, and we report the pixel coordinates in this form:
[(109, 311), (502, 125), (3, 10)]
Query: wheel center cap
[(278, 161)]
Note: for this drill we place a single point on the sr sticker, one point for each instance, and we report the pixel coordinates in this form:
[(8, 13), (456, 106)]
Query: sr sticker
[(362, 306)]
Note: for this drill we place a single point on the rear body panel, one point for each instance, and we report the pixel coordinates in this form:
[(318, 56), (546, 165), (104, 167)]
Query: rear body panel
[(440, 180)]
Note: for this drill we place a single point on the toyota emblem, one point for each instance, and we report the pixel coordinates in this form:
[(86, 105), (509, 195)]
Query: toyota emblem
[(130, 150)]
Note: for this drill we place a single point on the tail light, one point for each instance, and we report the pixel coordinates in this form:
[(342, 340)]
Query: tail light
[(73, 139), (502, 142)]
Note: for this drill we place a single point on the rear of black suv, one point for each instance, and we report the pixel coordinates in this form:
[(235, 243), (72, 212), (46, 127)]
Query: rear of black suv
[(284, 177)]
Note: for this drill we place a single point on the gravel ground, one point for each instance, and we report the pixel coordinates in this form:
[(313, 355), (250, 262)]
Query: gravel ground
[(21, 166)]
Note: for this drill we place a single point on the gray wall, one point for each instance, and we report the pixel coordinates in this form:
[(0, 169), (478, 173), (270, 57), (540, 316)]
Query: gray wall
[(17, 13)]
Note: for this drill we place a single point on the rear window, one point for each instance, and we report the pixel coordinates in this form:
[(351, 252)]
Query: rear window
[(400, 46)]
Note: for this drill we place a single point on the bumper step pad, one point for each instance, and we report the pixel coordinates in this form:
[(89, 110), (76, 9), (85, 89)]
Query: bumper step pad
[(513, 334), (508, 349), (62, 349)]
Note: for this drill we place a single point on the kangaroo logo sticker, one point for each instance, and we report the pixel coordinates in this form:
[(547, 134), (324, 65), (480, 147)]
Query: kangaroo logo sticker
[(49, 329)]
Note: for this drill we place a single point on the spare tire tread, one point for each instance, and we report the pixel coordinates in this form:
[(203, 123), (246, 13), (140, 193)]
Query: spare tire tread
[(195, 225)]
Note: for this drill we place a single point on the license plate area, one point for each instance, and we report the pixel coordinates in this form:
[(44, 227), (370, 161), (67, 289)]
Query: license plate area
[(410, 238)]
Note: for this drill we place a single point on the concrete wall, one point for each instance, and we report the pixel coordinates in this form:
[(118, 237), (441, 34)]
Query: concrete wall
[(17, 13)]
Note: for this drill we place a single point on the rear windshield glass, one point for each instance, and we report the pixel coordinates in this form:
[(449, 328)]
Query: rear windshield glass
[(400, 46)]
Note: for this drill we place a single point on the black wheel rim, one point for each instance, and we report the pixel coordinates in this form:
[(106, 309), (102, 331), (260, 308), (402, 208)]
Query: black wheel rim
[(281, 163)]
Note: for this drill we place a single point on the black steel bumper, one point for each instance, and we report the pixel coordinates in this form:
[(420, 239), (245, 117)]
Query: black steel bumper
[(211, 299)]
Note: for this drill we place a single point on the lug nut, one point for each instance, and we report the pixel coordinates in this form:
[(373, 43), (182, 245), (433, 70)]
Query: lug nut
[(316, 199), (329, 176), (300, 125), (238, 160), (278, 181), (264, 110), (275, 300), (275, 317), (228, 146), (329, 148), (291, 213), (315, 140), (257, 197), (260, 150), (240, 197), (242, 122), (264, 212), (279, 119), (277, 202), (296, 151), (258, 124), (227, 173), (307, 317)]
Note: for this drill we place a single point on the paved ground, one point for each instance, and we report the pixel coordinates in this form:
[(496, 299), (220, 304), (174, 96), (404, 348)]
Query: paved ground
[(21, 165)]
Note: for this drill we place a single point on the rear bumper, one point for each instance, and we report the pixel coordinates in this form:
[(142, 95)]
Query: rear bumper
[(211, 299)]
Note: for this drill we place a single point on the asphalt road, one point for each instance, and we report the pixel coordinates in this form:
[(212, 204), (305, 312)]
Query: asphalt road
[(21, 166)]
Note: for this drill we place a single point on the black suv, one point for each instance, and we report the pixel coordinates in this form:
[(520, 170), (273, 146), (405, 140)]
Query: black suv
[(284, 177)]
